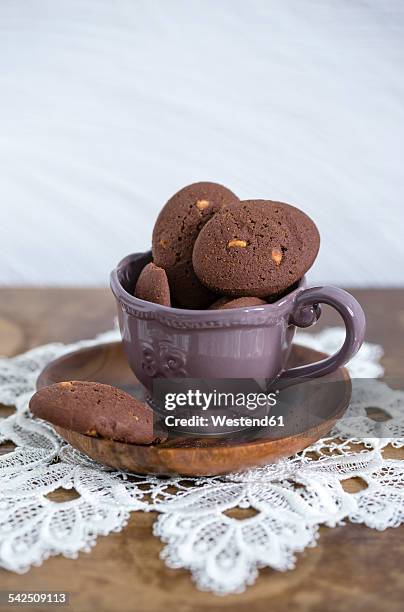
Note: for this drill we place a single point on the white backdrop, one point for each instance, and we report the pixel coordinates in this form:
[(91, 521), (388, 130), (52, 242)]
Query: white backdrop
[(107, 108)]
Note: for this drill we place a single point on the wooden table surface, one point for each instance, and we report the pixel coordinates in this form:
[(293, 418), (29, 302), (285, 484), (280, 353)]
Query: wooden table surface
[(353, 568)]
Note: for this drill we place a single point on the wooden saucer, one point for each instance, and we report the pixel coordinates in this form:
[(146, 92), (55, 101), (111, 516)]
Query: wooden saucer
[(196, 456)]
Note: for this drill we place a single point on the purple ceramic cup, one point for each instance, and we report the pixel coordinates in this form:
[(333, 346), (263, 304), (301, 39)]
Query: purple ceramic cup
[(236, 343)]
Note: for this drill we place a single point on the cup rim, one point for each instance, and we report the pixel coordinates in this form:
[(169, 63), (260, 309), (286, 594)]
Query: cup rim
[(122, 295)]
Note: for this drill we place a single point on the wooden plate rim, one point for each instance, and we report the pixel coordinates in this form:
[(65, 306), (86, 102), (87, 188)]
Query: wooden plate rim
[(161, 450)]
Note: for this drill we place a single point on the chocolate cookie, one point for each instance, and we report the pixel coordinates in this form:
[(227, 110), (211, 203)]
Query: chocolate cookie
[(243, 302), (174, 235), (152, 285), (255, 248), (95, 409)]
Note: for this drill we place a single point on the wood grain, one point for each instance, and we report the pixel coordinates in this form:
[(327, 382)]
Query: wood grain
[(352, 568)]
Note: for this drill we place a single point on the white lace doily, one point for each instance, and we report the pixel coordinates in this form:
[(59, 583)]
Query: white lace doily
[(289, 499)]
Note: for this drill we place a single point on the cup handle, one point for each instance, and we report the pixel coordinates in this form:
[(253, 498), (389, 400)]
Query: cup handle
[(303, 315)]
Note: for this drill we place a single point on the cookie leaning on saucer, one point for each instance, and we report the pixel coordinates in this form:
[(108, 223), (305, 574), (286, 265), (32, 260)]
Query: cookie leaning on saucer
[(174, 235), (95, 409), (255, 248)]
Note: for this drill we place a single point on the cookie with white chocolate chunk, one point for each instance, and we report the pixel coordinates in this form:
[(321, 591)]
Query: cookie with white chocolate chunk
[(255, 248), (174, 235)]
